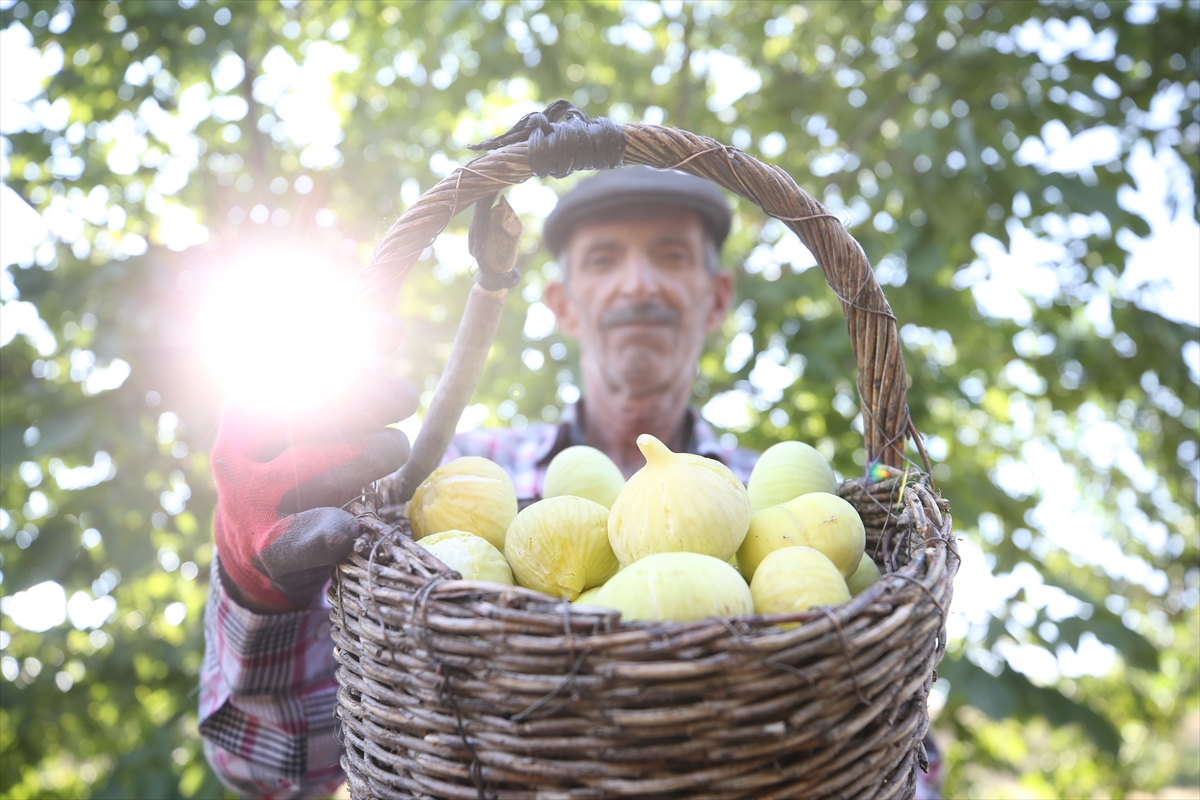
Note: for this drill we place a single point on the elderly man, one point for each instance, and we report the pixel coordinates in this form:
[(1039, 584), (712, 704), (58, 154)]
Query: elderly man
[(641, 289)]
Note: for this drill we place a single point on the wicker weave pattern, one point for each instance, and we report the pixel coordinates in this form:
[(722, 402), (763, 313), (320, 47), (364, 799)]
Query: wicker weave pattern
[(558, 701), (456, 689)]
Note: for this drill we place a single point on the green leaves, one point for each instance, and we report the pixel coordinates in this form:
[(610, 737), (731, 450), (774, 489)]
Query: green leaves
[(1010, 695)]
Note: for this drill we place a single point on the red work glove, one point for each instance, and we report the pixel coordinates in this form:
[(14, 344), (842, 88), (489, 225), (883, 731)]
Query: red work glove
[(282, 478)]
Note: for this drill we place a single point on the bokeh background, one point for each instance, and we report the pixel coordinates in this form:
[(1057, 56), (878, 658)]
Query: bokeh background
[(1021, 174)]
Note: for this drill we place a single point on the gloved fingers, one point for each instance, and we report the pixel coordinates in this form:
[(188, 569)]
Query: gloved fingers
[(385, 399), (385, 332), (374, 400), (379, 453), (297, 562), (366, 397), (298, 588), (371, 399), (369, 396), (246, 433)]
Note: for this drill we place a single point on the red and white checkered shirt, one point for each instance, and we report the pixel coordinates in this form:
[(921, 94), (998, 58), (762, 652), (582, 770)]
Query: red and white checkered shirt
[(267, 687), (267, 695), (525, 454)]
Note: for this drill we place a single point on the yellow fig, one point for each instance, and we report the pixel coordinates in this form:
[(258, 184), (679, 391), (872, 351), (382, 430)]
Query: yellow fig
[(822, 521), (680, 587), (588, 597), (678, 502), (866, 576), (469, 494), (796, 579), (469, 555), (586, 472), (560, 546), (786, 471)]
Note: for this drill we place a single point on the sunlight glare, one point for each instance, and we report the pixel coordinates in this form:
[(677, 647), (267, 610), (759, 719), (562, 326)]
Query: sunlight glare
[(283, 331)]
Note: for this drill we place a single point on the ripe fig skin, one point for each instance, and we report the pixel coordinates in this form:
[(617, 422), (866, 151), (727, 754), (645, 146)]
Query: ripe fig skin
[(468, 494), (471, 556), (787, 470), (866, 576), (560, 546), (819, 520), (797, 579), (582, 471), (588, 597), (676, 587), (678, 502)]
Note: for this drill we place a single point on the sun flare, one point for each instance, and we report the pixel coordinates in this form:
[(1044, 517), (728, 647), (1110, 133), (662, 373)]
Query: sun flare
[(282, 331)]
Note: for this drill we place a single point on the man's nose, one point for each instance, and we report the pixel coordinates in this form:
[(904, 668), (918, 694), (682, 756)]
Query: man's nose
[(639, 277)]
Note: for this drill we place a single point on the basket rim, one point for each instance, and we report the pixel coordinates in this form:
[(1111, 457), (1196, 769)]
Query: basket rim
[(871, 325), (440, 585)]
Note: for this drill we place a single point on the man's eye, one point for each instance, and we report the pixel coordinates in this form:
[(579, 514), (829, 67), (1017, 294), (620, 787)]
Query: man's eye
[(599, 261)]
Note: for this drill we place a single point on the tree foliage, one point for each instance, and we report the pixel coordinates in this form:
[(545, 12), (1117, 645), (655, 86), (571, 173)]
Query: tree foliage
[(958, 142)]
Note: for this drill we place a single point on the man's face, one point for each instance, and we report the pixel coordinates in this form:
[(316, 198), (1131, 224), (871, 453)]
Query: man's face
[(640, 300)]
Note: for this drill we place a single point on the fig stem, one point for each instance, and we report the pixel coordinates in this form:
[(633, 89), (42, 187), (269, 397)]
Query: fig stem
[(652, 448)]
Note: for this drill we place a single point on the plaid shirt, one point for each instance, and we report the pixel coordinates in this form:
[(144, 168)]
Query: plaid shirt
[(267, 690), (525, 454), (267, 695)]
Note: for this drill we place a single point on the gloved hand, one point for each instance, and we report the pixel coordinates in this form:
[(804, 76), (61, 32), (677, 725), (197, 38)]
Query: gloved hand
[(282, 478)]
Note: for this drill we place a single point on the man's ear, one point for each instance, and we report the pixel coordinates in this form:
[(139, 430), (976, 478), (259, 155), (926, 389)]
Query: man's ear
[(558, 300), (722, 299)]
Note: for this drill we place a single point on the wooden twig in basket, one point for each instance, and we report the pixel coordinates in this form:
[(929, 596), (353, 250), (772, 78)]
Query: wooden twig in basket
[(497, 253)]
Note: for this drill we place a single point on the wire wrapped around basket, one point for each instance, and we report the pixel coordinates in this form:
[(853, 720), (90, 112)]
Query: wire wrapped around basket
[(458, 689)]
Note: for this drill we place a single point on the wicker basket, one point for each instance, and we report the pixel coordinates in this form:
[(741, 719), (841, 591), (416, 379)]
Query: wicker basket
[(458, 689)]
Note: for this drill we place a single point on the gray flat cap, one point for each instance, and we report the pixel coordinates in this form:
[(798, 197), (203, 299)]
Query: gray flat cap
[(629, 186)]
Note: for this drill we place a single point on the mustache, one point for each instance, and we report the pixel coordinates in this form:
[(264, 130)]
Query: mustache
[(649, 312)]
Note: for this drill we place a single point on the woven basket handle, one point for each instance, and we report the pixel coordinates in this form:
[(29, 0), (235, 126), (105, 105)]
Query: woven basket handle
[(562, 139)]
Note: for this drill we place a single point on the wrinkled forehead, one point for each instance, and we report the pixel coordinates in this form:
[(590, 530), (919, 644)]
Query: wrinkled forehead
[(639, 223)]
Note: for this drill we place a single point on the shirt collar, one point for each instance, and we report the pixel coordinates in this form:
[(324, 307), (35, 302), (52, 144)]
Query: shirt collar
[(570, 432)]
